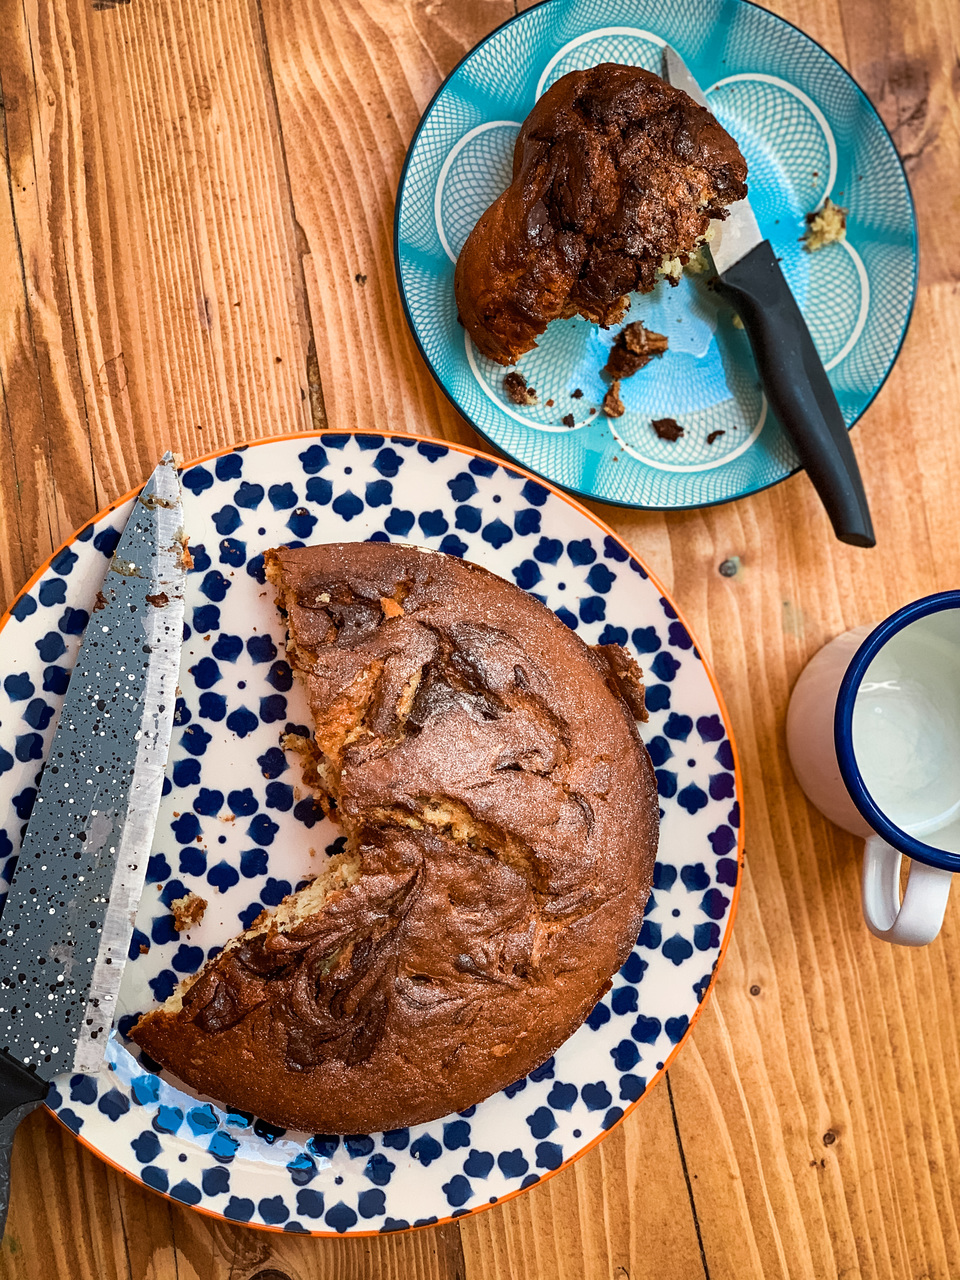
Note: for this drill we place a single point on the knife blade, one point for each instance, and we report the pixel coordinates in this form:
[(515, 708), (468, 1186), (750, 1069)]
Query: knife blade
[(69, 914), (791, 371)]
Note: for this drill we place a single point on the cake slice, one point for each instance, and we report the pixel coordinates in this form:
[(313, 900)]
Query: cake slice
[(616, 176), (501, 818)]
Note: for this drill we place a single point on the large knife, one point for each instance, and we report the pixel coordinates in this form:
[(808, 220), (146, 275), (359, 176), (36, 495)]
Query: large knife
[(791, 371), (70, 911)]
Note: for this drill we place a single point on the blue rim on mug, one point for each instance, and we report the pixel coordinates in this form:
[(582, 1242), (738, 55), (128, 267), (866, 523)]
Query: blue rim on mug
[(843, 731)]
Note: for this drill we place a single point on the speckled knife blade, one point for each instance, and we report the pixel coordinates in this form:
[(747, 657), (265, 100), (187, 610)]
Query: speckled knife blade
[(69, 915)]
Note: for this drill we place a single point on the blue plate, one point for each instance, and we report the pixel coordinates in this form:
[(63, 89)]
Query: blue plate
[(807, 131)]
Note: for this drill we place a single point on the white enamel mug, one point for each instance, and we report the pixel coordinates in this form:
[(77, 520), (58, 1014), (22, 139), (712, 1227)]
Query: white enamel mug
[(873, 733)]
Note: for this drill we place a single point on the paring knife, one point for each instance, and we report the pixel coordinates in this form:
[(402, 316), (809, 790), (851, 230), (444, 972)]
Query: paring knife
[(69, 915), (792, 373)]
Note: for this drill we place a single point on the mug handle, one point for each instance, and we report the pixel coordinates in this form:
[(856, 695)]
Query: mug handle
[(915, 921)]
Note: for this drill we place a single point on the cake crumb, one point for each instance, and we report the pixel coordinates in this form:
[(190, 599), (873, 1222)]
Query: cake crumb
[(100, 602), (612, 405), (568, 420), (699, 263), (633, 347), (715, 435), (825, 225), (186, 557), (515, 385), (187, 911), (672, 269), (667, 428), (576, 393), (549, 404), (144, 949), (391, 608)]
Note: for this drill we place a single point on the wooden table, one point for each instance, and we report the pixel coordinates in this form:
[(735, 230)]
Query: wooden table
[(196, 249)]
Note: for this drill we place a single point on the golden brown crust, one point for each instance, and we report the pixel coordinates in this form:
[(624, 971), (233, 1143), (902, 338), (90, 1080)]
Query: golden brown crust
[(504, 816), (615, 172)]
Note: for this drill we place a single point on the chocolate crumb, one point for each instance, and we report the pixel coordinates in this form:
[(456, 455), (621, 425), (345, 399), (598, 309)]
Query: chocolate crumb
[(549, 404), (715, 435), (100, 602), (187, 911), (159, 600), (612, 405), (144, 949), (360, 279), (568, 420), (667, 428), (633, 347), (515, 385), (592, 410), (577, 394)]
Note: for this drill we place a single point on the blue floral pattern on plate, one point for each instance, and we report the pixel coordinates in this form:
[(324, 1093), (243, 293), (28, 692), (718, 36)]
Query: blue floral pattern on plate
[(237, 827), (806, 130)]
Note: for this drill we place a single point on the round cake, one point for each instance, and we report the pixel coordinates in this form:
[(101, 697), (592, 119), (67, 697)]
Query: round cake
[(500, 815), (616, 175)]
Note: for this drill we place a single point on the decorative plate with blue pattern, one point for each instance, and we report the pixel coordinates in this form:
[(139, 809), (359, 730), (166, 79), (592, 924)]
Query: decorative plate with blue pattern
[(238, 827), (807, 132)]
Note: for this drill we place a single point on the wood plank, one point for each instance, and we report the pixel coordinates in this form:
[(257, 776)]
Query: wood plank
[(28, 514), (818, 1102), (160, 300), (908, 62), (352, 82), (622, 1211)]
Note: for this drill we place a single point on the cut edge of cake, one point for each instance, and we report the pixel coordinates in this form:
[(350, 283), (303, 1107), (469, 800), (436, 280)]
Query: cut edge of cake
[(341, 872)]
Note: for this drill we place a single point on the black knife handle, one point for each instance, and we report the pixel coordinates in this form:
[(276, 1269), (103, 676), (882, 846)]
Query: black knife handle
[(798, 389), (20, 1093)]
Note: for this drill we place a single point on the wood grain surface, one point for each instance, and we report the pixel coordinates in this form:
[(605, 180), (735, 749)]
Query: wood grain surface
[(196, 249)]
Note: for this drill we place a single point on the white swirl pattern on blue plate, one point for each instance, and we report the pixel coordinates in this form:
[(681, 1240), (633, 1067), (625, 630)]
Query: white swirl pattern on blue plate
[(236, 826), (806, 130)]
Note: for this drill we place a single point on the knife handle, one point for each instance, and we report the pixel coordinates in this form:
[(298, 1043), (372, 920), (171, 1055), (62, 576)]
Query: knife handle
[(20, 1093), (798, 389)]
